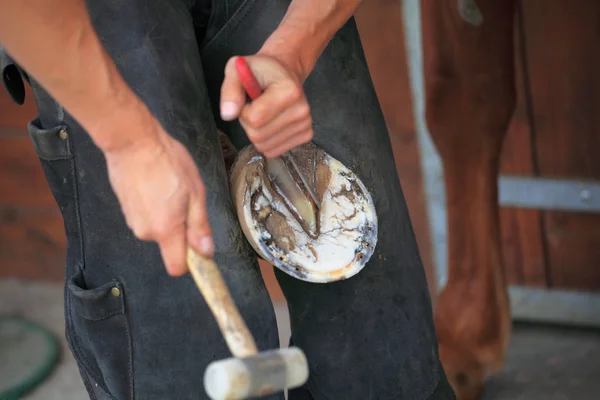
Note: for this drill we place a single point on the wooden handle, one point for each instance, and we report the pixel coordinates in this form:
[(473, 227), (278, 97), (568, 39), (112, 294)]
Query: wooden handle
[(208, 278)]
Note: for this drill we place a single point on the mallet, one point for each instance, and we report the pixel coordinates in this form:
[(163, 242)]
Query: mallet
[(249, 373)]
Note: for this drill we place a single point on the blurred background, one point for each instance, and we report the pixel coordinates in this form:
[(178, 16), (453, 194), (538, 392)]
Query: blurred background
[(548, 199)]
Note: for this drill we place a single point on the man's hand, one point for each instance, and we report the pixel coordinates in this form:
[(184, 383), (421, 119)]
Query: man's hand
[(280, 118), (162, 196)]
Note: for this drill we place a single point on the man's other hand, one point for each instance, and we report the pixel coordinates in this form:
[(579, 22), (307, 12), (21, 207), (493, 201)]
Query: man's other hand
[(162, 196), (280, 118)]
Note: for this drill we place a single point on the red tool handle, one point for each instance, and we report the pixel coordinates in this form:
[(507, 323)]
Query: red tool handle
[(248, 80)]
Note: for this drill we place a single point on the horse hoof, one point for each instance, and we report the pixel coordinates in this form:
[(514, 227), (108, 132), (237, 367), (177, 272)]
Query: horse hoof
[(465, 376), (346, 223)]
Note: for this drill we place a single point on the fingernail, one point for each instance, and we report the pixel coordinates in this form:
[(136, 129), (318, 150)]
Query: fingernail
[(207, 246), (229, 110)]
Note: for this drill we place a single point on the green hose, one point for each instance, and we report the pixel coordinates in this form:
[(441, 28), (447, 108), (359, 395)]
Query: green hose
[(28, 354)]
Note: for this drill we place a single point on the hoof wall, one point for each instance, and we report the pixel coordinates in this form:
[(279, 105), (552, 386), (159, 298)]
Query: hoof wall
[(347, 222)]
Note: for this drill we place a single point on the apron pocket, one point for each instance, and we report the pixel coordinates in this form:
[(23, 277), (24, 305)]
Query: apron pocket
[(100, 337)]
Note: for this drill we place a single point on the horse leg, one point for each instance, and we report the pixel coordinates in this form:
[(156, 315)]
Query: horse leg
[(470, 98)]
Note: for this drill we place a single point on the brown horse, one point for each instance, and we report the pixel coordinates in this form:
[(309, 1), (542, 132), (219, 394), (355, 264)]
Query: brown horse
[(470, 99)]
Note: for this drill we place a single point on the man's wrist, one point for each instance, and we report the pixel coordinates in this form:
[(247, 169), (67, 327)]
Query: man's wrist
[(126, 121), (305, 31), (290, 58)]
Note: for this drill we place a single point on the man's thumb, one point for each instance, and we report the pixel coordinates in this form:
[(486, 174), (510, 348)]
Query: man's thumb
[(233, 95)]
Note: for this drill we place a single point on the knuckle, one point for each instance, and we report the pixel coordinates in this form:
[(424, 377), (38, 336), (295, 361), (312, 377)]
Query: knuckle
[(260, 146), (255, 137), (161, 232), (141, 231), (175, 264), (309, 123), (307, 136), (253, 119), (303, 111), (293, 93), (200, 189)]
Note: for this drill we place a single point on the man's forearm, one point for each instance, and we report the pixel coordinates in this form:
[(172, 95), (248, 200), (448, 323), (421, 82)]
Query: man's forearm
[(305, 31), (54, 41)]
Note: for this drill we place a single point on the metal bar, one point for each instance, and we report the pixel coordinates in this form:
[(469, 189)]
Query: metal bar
[(431, 163), (555, 306), (549, 194)]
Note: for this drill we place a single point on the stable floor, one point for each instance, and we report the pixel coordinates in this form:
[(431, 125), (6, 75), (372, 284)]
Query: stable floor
[(544, 362), (550, 363)]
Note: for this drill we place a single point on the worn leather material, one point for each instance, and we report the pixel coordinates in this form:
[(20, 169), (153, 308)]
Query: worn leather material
[(48, 143), (370, 337)]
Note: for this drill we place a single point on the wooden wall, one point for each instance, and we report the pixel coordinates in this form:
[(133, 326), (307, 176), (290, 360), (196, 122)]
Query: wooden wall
[(555, 134)]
